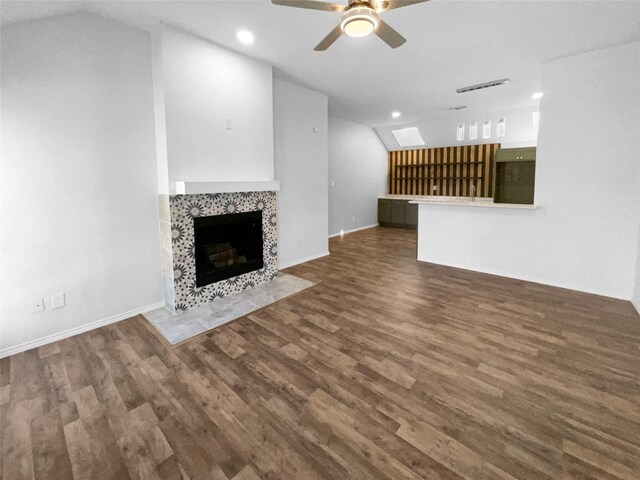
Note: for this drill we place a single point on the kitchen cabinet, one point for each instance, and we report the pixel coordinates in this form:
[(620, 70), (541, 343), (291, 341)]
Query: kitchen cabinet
[(515, 175), (411, 216), (397, 213), (384, 211)]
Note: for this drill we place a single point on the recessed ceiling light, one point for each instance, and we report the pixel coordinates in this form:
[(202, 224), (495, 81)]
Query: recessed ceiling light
[(395, 114), (537, 95), (245, 36)]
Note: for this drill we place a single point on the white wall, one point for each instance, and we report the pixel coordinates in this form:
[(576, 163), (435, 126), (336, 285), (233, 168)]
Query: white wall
[(159, 110), (79, 177), (357, 175), (204, 85), (584, 236), (301, 166), (441, 132), (636, 292)]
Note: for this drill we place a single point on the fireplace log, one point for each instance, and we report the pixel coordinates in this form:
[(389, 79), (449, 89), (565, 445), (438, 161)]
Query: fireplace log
[(217, 248), (231, 253), (227, 261)]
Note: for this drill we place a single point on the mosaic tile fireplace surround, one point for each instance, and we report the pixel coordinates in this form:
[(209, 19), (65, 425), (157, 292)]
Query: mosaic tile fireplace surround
[(176, 214)]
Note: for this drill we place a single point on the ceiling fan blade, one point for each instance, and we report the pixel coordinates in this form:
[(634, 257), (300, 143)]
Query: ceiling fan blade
[(310, 4), (384, 5), (329, 39), (389, 35)]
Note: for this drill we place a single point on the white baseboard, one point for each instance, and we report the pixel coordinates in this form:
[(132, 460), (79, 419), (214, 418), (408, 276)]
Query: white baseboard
[(353, 230), (77, 330), (302, 260), (526, 278)]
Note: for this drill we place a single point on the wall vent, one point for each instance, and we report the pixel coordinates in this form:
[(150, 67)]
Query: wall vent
[(480, 86)]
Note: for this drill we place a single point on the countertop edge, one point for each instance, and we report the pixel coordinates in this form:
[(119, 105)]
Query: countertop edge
[(515, 206)]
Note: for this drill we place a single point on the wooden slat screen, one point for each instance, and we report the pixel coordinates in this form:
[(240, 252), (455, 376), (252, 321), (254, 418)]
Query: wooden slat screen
[(443, 171)]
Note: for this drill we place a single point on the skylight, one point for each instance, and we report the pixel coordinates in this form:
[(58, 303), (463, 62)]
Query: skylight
[(408, 137)]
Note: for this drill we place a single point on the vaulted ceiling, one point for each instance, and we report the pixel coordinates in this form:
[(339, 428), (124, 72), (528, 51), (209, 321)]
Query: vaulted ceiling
[(450, 44)]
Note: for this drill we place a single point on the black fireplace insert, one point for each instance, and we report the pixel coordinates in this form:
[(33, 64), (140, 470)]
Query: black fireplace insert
[(227, 246)]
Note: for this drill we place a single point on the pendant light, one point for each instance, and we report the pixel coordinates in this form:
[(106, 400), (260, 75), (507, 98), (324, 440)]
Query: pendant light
[(501, 128), (473, 130), (486, 129)]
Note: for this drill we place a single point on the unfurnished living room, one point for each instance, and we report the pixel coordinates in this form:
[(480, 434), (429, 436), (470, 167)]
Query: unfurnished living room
[(305, 239)]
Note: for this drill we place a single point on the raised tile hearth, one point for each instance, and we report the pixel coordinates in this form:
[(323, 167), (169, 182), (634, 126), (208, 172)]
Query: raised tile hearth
[(181, 326)]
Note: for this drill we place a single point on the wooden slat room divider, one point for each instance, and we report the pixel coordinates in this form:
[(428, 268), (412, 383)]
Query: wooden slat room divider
[(443, 171)]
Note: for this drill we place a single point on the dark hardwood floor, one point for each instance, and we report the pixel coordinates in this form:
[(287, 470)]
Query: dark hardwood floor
[(387, 369)]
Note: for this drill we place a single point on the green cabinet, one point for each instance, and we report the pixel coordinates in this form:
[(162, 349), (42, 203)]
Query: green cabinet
[(384, 211), (411, 217), (515, 175), (397, 213)]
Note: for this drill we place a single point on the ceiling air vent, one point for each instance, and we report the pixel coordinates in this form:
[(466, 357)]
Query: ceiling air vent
[(480, 86), (461, 107)]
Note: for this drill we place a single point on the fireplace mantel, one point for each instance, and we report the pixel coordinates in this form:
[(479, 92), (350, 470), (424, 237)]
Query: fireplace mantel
[(183, 188)]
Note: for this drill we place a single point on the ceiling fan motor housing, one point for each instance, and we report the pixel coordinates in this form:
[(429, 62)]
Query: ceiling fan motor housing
[(359, 21)]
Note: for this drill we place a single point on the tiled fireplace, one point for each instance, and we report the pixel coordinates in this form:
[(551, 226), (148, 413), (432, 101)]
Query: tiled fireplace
[(182, 291)]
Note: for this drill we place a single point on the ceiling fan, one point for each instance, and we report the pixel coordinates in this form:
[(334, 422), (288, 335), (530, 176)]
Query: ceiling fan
[(359, 18)]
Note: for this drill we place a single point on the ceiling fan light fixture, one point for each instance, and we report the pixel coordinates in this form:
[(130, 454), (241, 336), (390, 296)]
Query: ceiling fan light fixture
[(358, 27), (359, 22)]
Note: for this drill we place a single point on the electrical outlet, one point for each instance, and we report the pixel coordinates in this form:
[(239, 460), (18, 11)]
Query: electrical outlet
[(37, 305), (353, 219), (57, 300)]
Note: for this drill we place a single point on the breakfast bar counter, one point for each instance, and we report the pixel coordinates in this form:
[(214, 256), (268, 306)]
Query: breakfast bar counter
[(467, 202), (478, 234)]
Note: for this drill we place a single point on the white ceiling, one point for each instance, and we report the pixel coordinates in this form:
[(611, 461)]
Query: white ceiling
[(450, 44)]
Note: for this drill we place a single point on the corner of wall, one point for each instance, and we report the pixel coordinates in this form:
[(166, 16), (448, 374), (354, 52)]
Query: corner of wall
[(162, 161), (301, 166), (636, 291), (357, 175)]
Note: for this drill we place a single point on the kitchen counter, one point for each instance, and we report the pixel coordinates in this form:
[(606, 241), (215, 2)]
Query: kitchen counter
[(482, 203), (419, 197), (456, 201)]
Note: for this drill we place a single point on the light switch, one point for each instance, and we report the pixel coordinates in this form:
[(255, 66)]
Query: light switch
[(57, 300), (333, 184), (227, 124)]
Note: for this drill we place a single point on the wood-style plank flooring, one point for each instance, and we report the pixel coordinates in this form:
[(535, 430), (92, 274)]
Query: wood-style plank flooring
[(387, 369)]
